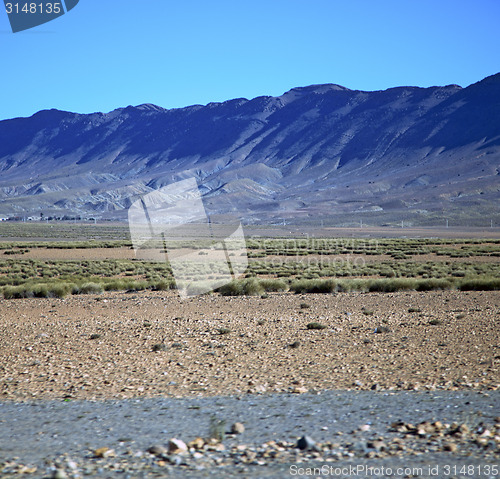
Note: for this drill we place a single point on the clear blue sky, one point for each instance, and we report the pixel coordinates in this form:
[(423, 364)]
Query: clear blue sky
[(105, 54)]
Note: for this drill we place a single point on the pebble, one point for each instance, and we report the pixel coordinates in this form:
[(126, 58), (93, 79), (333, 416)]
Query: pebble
[(451, 447), (306, 443), (237, 428), (104, 452), (378, 445), (177, 446), (405, 439), (197, 443), (59, 474), (158, 450)]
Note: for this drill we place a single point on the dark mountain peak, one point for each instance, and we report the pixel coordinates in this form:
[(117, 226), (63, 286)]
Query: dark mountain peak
[(52, 114), (489, 85), (489, 80), (319, 89), (150, 107)]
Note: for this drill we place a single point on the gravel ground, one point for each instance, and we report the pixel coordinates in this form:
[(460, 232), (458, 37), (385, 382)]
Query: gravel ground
[(145, 344), (440, 430)]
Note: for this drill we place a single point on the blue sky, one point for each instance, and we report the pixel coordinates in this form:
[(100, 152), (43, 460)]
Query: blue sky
[(105, 54)]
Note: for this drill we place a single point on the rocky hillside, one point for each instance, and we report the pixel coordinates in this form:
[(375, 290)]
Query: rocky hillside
[(318, 152)]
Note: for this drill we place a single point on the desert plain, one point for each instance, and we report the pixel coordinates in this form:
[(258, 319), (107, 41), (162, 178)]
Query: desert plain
[(379, 338)]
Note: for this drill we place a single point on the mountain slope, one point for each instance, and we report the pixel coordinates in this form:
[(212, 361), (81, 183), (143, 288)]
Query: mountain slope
[(320, 151)]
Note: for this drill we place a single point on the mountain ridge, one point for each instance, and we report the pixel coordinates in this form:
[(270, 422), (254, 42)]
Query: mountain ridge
[(317, 150)]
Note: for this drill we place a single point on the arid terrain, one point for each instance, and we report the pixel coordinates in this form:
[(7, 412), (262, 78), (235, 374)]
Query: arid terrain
[(392, 360), (103, 346)]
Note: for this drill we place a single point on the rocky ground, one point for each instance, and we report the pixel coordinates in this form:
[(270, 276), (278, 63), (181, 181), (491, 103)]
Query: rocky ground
[(90, 384), (411, 434), (123, 345)]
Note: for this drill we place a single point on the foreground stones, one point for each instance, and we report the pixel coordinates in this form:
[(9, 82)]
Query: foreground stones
[(401, 440)]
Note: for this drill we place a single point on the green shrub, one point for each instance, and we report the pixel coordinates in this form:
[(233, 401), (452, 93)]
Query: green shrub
[(223, 331), (60, 290), (115, 285), (273, 285), (217, 429), (313, 286), (480, 284), (13, 292), (159, 347), (163, 285), (433, 284), (391, 285), (91, 288), (347, 285), (246, 287), (316, 326)]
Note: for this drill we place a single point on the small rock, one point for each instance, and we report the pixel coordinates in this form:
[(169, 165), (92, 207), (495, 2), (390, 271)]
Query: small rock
[(438, 426), (197, 443), (399, 426), (26, 469), (237, 428), (360, 447), (482, 441), (176, 446), (305, 443), (158, 450), (377, 445), (104, 452), (450, 446), (364, 427), (300, 390), (59, 474), (375, 387), (382, 329), (176, 460)]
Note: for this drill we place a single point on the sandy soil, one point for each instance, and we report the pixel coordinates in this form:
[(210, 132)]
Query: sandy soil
[(102, 346)]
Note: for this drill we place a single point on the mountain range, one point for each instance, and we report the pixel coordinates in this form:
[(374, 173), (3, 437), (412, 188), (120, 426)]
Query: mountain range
[(321, 152)]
